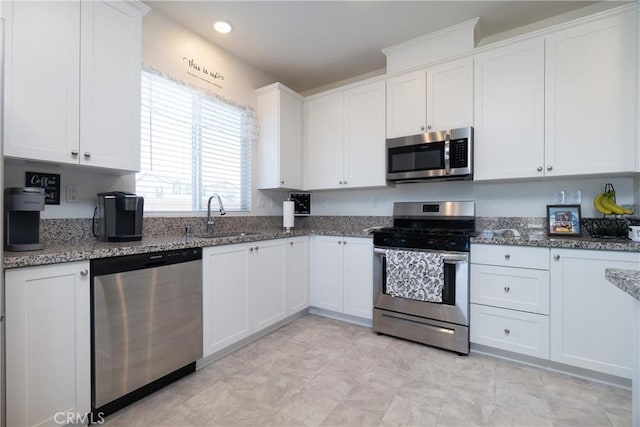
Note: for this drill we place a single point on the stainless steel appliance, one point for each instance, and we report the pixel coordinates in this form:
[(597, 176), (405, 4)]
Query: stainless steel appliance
[(440, 228), (442, 155), (118, 217), (22, 207), (146, 318)]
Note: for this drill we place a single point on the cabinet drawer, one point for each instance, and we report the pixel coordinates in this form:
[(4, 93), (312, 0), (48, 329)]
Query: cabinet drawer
[(510, 256), (514, 288), (510, 330)]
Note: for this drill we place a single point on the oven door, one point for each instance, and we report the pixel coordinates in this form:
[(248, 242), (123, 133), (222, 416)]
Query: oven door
[(455, 305)]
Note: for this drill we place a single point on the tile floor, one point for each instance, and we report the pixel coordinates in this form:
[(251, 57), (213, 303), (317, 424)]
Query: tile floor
[(322, 372)]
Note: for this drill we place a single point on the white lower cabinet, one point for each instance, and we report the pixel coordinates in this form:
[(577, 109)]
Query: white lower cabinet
[(342, 275), (510, 298), (48, 348), (591, 319), (250, 286), (297, 274)]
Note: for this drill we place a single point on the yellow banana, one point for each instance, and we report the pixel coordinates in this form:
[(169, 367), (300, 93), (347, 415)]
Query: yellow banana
[(619, 209), (608, 202), (597, 203)]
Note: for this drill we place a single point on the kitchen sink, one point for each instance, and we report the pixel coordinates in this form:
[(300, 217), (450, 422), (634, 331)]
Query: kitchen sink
[(229, 234)]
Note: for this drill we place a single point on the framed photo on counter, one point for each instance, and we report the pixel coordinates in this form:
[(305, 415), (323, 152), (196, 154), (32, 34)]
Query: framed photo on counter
[(564, 220)]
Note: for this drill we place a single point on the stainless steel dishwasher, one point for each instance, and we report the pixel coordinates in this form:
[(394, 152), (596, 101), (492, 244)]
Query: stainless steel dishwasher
[(146, 318)]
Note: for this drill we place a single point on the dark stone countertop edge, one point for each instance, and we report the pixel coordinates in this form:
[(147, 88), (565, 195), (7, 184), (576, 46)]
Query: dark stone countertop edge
[(93, 249), (626, 280), (82, 251), (621, 245)]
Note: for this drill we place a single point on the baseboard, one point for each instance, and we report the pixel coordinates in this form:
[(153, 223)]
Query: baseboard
[(549, 365), (341, 316)]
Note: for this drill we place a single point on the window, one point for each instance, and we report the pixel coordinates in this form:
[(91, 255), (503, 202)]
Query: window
[(193, 145)]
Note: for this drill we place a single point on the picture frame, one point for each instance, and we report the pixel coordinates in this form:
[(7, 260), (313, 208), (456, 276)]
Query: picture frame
[(564, 220)]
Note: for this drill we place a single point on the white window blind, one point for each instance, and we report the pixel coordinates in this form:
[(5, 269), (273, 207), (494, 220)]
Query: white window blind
[(193, 145)]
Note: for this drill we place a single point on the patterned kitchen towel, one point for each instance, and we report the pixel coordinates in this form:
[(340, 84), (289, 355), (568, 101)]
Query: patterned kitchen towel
[(415, 275)]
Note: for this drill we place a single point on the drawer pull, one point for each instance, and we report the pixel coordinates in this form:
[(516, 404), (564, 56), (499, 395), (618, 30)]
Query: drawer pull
[(507, 257), (507, 331), (556, 257), (507, 289)]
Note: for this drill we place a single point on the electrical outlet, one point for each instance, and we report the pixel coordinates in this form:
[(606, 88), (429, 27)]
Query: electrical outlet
[(73, 194)]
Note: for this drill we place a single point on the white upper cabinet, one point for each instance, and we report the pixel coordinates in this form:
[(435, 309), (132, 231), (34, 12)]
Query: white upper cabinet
[(344, 138), (559, 105), (110, 64), (438, 98), (73, 96), (590, 97), (42, 71), (406, 104), (280, 144), (509, 111)]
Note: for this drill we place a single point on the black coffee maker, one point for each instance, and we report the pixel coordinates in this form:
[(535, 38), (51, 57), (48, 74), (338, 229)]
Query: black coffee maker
[(118, 217), (22, 207)]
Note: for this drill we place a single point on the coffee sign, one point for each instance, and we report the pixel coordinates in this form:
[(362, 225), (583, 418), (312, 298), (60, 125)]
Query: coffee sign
[(49, 181)]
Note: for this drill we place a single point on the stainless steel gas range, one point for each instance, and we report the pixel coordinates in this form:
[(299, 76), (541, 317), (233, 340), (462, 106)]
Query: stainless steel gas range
[(421, 274)]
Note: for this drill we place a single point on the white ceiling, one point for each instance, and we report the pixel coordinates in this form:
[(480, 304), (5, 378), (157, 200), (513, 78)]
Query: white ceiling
[(309, 44)]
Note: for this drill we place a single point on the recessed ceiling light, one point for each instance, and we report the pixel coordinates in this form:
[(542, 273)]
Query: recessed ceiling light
[(222, 27)]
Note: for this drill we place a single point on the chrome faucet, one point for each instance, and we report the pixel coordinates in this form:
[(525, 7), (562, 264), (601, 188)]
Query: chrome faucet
[(210, 219)]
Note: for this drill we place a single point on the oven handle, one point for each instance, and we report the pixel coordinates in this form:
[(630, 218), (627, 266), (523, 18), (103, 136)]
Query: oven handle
[(447, 258)]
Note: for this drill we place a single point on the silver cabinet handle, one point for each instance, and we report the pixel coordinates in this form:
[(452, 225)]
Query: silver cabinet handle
[(257, 248), (539, 168), (422, 128), (281, 182), (340, 182), (74, 153), (84, 273), (291, 243), (344, 182), (87, 155), (344, 243), (556, 257), (507, 289), (251, 249), (507, 331), (429, 127), (339, 242), (549, 168), (507, 257)]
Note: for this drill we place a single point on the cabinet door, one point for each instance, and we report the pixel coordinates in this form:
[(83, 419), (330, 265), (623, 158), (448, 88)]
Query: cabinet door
[(110, 85), (280, 145), (41, 91), (509, 111), (327, 273), (48, 348), (358, 277), (364, 136), (324, 142), (225, 296), (268, 259), (591, 319), (590, 111), (290, 140), (406, 104), (450, 95), (298, 274)]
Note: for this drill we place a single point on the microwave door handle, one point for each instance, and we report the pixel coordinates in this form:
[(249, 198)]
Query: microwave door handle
[(447, 160)]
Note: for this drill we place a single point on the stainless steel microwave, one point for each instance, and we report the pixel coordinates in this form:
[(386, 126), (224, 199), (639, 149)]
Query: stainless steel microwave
[(441, 155)]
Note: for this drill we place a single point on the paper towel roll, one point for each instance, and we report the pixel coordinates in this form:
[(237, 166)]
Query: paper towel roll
[(287, 214)]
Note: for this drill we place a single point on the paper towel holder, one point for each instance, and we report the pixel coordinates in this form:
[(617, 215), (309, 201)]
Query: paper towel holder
[(288, 217)]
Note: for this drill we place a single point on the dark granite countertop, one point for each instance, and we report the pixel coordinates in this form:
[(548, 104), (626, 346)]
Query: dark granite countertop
[(627, 280), (624, 245), (54, 253)]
